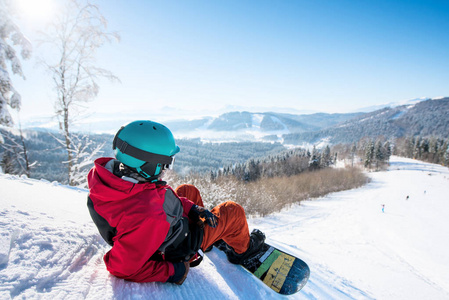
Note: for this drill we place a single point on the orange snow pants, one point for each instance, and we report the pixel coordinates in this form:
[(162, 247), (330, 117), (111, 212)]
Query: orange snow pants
[(232, 227)]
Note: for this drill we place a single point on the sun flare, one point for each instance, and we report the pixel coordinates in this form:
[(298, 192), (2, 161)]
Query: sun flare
[(36, 10)]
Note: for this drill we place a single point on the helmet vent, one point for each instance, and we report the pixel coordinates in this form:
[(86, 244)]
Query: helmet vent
[(154, 127)]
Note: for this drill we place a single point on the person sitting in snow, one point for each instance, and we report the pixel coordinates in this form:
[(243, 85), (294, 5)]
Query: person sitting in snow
[(157, 233)]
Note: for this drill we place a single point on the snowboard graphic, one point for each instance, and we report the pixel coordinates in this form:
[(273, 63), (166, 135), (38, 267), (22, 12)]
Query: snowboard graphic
[(282, 272)]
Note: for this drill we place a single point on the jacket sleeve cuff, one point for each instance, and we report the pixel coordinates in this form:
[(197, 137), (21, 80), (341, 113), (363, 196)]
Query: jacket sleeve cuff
[(180, 270), (187, 204)]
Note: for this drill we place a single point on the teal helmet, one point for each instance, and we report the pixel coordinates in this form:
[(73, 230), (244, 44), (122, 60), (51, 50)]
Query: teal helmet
[(146, 146)]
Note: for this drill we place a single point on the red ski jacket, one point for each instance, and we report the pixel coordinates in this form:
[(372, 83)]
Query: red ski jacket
[(136, 214)]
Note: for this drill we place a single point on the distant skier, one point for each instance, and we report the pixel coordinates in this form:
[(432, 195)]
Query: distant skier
[(383, 208), (406, 198), (156, 233)]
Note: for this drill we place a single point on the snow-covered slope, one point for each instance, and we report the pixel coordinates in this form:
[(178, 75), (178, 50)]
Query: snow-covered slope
[(49, 248)]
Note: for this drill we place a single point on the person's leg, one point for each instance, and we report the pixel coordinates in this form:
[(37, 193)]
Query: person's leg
[(232, 227), (190, 192)]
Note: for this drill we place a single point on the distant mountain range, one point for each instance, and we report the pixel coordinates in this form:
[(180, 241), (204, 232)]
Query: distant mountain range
[(392, 104), (422, 116), (425, 118), (268, 122)]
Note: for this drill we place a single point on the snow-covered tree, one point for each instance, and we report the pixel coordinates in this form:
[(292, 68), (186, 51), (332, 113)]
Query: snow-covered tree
[(353, 153), (409, 147), (388, 150), (315, 159), (11, 39), (417, 151), (14, 146), (326, 158), (75, 36), (7, 163), (252, 170), (83, 153), (446, 156), (379, 154), (369, 154)]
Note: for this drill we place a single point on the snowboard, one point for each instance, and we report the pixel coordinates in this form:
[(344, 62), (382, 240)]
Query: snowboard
[(280, 271)]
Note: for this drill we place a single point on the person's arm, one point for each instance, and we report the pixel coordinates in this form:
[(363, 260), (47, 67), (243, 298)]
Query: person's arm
[(186, 203)]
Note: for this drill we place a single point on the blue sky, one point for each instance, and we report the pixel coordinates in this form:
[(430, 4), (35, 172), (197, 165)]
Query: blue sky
[(330, 56)]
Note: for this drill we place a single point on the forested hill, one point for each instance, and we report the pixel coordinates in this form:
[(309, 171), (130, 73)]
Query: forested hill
[(265, 122), (426, 118), (195, 156)]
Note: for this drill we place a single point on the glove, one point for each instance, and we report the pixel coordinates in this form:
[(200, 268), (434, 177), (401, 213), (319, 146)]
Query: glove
[(200, 215), (181, 281)]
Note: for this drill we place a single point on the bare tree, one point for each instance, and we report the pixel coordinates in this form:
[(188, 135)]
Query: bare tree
[(75, 36), (7, 163), (10, 37), (83, 152), (15, 150)]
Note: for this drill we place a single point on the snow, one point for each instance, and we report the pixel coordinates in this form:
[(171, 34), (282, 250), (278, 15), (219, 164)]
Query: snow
[(398, 115), (50, 249), (256, 120)]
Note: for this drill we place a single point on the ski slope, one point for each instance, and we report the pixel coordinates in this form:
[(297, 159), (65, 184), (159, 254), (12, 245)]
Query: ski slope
[(50, 249)]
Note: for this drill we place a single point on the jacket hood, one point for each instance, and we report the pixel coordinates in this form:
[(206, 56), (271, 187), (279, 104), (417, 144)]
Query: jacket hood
[(105, 186)]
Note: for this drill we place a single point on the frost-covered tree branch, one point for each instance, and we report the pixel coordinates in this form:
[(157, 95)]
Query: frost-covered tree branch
[(11, 38), (15, 153), (74, 37), (83, 153)]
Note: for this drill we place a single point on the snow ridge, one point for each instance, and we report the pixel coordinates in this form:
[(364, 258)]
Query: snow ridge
[(50, 249)]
